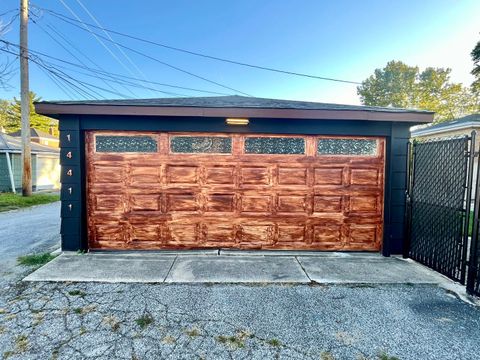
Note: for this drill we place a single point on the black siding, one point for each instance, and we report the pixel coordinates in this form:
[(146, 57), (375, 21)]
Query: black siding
[(73, 227)]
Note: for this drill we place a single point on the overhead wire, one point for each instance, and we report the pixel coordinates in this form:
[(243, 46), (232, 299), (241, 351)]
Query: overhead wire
[(70, 52), (139, 71), (62, 75), (259, 67), (110, 74), (157, 60), (85, 27)]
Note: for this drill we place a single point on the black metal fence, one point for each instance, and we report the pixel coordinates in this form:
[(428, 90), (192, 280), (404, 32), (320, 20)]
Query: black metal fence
[(439, 191), (441, 231)]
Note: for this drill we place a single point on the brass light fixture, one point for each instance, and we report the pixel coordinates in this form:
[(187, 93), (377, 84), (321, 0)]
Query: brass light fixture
[(237, 121)]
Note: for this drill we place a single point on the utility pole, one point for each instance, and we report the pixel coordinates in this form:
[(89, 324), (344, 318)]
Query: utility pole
[(25, 101)]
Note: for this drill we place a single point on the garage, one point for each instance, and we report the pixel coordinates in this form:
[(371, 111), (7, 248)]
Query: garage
[(232, 172), (161, 190)]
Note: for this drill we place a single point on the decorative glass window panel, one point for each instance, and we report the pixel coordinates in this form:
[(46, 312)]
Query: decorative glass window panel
[(107, 143), (274, 145), (201, 144), (361, 147)]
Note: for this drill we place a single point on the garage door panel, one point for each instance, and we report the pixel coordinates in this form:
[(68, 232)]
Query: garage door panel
[(292, 176), (145, 232), (327, 235), (255, 176), (253, 235), (327, 204), (111, 203), (328, 176), (178, 174), (363, 234), (145, 176), (368, 177), (145, 202), (182, 202), (220, 203), (183, 234), (220, 234), (220, 175), (109, 174), (291, 234), (292, 203), (110, 232), (281, 195), (256, 204)]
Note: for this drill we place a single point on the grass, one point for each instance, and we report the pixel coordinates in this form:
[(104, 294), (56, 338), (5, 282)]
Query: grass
[(79, 293), (10, 201), (144, 320), (35, 259), (237, 341), (385, 356), (274, 342)]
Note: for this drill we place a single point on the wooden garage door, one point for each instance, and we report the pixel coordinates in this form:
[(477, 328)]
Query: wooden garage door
[(193, 190)]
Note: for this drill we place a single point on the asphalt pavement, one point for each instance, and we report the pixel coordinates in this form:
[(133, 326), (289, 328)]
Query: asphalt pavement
[(26, 231)]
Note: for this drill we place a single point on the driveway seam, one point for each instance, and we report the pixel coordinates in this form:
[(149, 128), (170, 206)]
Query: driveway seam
[(170, 269), (303, 269)]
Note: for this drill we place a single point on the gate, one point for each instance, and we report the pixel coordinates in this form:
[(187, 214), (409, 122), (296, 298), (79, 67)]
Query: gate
[(439, 190)]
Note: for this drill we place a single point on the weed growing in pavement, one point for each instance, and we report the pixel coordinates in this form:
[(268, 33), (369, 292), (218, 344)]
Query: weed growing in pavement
[(77, 293), (144, 320), (35, 259), (274, 342)]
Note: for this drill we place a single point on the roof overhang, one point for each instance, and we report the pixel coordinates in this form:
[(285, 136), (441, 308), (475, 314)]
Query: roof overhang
[(425, 131), (56, 110)]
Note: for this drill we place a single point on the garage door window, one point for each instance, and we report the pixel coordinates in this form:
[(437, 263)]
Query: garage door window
[(359, 147), (201, 144), (133, 144), (274, 145)]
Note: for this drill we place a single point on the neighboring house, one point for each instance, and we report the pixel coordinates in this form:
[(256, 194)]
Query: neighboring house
[(232, 172), (45, 165), (40, 137), (458, 127)]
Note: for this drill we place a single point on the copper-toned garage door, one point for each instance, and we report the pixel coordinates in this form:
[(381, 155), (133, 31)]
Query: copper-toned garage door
[(189, 190)]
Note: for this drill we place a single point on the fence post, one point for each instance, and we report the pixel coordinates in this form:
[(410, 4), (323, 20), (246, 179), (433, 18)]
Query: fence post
[(468, 201), (408, 202), (473, 256)]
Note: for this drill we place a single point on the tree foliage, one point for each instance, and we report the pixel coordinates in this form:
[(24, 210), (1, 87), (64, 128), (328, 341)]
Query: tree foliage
[(476, 67), (401, 85), (10, 116)]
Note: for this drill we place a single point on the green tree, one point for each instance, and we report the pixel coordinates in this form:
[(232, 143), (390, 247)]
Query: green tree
[(37, 121), (476, 68), (400, 85), (4, 105)]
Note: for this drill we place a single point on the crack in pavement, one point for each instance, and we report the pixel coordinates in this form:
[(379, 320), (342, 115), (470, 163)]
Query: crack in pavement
[(43, 320)]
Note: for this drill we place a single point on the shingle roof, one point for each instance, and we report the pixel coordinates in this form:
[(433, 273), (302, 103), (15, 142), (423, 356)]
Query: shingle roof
[(460, 123), (14, 144), (233, 101), (35, 133)]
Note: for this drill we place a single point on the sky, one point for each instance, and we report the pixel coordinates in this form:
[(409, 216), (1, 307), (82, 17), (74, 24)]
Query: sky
[(345, 40)]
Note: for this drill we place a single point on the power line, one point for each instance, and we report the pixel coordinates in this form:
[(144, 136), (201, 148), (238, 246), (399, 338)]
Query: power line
[(62, 75), (56, 82), (70, 52), (118, 81), (159, 61), (114, 75), (64, 17), (105, 80), (108, 35), (85, 27)]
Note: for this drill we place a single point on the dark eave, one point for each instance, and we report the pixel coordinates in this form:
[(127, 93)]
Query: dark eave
[(232, 106)]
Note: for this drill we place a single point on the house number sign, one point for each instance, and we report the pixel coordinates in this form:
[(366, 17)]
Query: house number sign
[(69, 155), (69, 172)]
